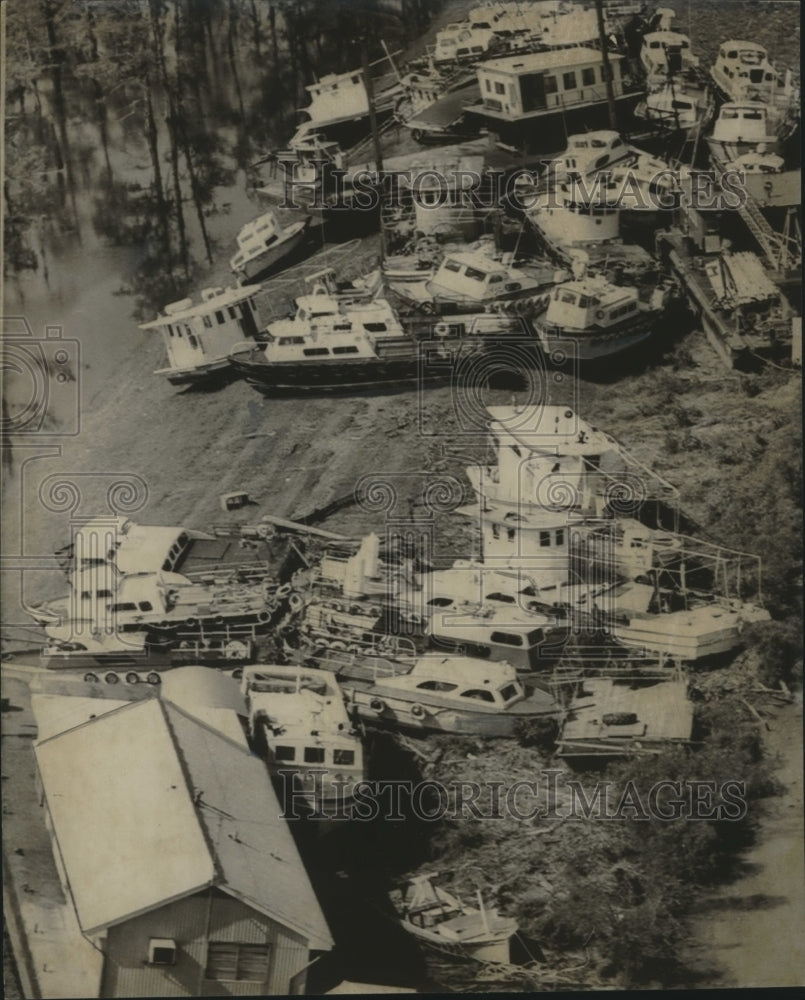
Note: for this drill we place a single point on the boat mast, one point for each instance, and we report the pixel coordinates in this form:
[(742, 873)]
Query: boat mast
[(602, 39), (370, 97)]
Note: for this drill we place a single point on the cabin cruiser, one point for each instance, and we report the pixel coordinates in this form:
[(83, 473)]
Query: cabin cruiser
[(469, 281), (199, 336), (679, 105), (263, 245), (597, 318), (439, 693), (298, 722), (442, 923), (742, 72), (666, 51)]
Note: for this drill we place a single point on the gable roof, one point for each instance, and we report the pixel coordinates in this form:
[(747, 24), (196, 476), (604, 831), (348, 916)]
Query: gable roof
[(150, 805)]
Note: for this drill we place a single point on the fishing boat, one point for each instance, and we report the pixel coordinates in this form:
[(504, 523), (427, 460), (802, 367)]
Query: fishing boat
[(298, 722), (598, 318), (437, 693), (471, 281), (441, 922), (199, 336), (264, 244)]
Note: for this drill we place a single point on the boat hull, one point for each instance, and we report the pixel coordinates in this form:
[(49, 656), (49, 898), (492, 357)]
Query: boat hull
[(205, 374), (596, 343)]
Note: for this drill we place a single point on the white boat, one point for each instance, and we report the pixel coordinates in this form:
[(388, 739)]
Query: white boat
[(297, 720), (666, 51), (597, 318), (198, 337), (263, 244), (742, 72), (437, 693), (443, 923), (679, 105), (470, 281)]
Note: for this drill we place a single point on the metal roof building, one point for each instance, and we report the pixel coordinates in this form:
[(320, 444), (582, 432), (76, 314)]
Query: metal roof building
[(170, 842)]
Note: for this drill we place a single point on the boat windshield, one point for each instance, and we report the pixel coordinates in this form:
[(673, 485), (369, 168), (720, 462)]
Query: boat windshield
[(509, 692)]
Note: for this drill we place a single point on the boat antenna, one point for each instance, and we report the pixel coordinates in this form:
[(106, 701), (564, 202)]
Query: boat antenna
[(483, 911)]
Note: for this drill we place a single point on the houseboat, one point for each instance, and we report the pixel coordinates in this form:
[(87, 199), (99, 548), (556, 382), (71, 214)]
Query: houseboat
[(298, 722), (199, 337), (264, 244), (597, 319), (339, 106), (442, 923), (438, 693), (540, 93), (470, 281)]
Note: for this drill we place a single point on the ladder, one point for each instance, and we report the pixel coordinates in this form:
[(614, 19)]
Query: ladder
[(780, 250)]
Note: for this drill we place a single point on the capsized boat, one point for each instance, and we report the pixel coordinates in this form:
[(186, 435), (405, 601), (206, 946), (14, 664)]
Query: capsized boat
[(440, 921), (263, 245), (297, 720)]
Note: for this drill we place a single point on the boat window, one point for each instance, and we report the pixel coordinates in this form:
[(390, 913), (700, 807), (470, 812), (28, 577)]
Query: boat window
[(506, 638), (545, 538), (584, 301), (505, 598), (343, 756), (375, 327), (348, 349), (588, 76), (495, 278), (569, 80), (314, 755), (145, 606), (440, 602), (489, 85), (475, 274), (499, 88), (86, 595), (478, 694), (314, 352), (509, 691), (511, 534), (568, 297), (681, 105), (124, 606), (534, 637), (495, 531), (103, 593), (207, 321), (219, 316), (559, 538), (192, 341), (733, 54), (284, 341), (356, 79), (284, 753), (551, 86), (654, 45), (752, 115), (452, 265), (436, 686), (233, 314)]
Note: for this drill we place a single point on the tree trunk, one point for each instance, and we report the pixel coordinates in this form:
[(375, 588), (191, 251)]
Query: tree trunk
[(256, 31), (153, 147), (230, 48)]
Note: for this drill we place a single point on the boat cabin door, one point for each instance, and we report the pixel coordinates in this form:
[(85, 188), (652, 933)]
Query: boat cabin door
[(532, 91), (247, 321)]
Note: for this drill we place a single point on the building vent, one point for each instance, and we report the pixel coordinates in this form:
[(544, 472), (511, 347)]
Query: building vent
[(161, 951)]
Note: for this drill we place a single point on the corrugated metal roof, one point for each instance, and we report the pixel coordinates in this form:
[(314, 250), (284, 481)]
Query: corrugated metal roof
[(255, 851), (149, 805), (124, 821)]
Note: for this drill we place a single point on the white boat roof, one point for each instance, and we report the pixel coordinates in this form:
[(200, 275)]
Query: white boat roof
[(602, 135), (665, 33), (738, 44), (300, 699), (465, 670), (523, 517), (553, 59), (56, 713), (475, 259), (227, 297), (193, 687)]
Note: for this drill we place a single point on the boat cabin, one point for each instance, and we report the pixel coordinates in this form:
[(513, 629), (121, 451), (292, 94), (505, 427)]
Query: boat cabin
[(591, 151), (488, 632), (566, 217), (466, 681), (743, 71), (473, 276), (746, 122), (255, 238), (516, 88), (203, 334), (591, 302), (666, 53), (459, 42), (337, 96)]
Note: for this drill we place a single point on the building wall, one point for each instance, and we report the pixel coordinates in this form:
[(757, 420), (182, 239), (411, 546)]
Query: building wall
[(192, 923)]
